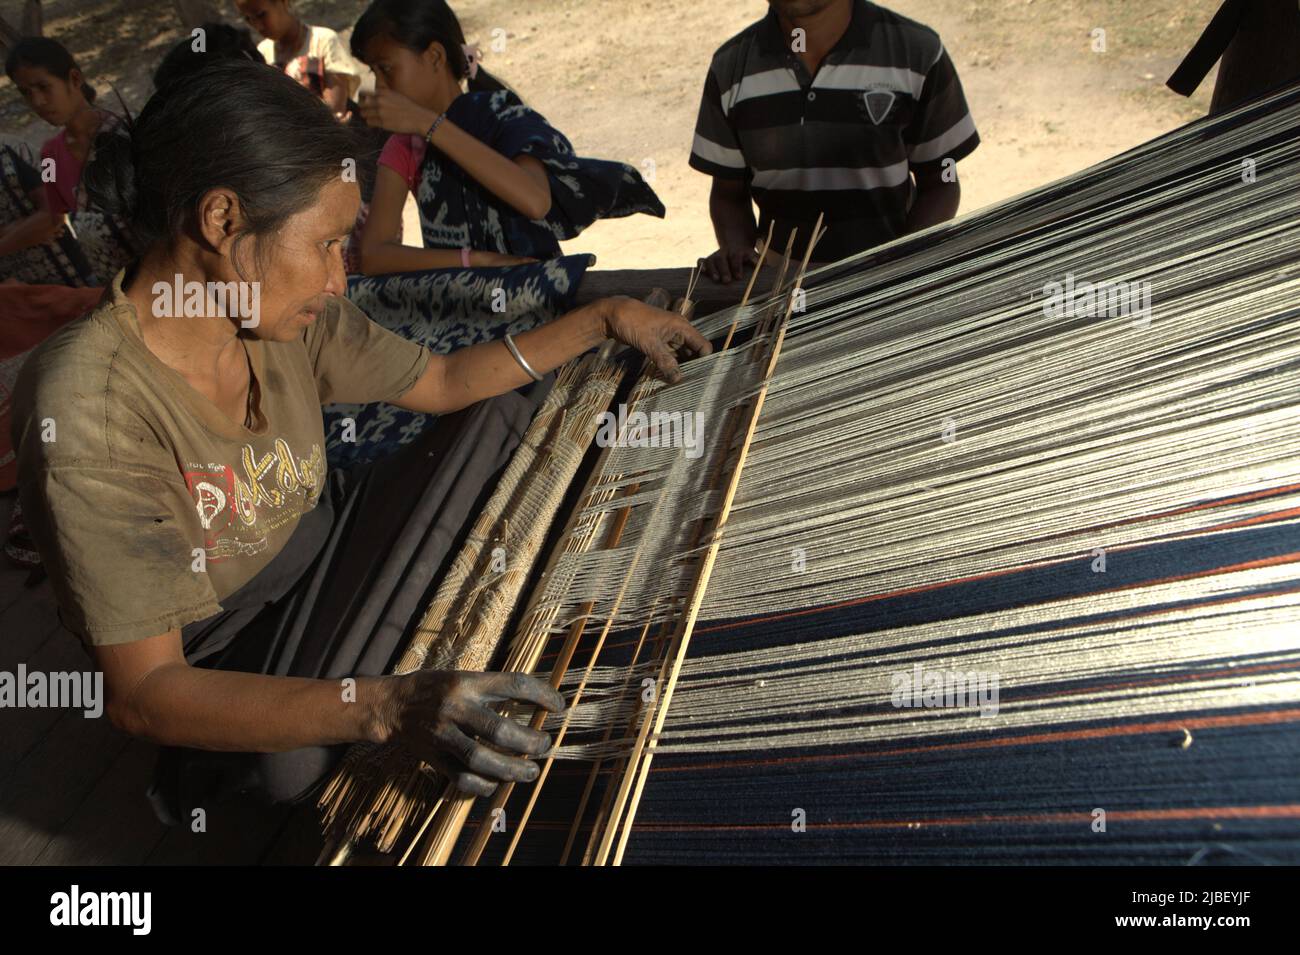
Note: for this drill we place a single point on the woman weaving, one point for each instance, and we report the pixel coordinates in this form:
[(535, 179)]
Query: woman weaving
[(171, 462)]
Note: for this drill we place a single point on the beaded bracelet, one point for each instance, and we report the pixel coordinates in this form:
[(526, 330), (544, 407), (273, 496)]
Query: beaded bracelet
[(428, 137)]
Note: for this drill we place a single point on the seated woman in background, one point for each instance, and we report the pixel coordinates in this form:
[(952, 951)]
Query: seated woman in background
[(223, 580), (49, 81), (314, 56), (496, 184)]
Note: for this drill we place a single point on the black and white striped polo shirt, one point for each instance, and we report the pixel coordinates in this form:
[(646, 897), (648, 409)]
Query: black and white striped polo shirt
[(886, 100)]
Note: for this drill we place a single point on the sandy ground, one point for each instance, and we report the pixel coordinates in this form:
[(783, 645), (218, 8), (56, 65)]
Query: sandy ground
[(622, 79)]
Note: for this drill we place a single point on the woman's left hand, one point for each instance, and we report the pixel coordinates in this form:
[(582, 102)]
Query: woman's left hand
[(495, 260), (660, 336), (392, 111)]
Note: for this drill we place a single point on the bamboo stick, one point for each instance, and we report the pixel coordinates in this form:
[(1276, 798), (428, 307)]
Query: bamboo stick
[(646, 742)]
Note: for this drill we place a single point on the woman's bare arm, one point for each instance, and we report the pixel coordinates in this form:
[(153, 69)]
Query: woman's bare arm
[(520, 182), (381, 250), (441, 716), (152, 692), (455, 381)]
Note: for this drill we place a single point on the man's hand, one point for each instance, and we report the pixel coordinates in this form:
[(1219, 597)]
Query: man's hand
[(727, 265), (436, 715), (732, 214)]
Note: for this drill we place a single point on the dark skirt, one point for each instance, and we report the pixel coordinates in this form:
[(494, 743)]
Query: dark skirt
[(374, 549)]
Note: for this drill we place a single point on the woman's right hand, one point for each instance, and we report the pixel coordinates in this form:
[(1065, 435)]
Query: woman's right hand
[(390, 110), (436, 715)]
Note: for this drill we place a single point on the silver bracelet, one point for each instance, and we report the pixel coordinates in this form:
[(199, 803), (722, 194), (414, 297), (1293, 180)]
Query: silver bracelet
[(428, 137), (514, 350)]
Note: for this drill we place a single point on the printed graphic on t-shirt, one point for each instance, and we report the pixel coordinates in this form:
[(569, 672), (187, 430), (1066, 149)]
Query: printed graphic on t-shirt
[(214, 496), (239, 505)]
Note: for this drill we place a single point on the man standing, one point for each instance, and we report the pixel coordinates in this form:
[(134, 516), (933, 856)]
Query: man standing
[(829, 106)]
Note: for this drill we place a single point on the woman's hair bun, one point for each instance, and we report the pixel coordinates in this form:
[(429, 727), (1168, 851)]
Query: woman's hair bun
[(110, 177)]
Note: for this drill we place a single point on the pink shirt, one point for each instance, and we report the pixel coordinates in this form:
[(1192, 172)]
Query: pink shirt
[(403, 154), (61, 194)]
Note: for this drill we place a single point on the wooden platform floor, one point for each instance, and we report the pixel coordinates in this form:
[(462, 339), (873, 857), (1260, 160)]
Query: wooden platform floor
[(72, 790)]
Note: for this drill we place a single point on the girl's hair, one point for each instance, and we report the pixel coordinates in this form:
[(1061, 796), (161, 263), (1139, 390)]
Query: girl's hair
[(221, 42), (234, 124), (415, 24), (48, 55)]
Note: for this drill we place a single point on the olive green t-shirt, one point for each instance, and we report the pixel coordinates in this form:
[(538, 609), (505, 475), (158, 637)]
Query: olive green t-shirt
[(148, 504)]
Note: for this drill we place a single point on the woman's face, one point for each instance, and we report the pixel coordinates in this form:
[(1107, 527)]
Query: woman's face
[(304, 267), (270, 18), (54, 100), (414, 75)]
